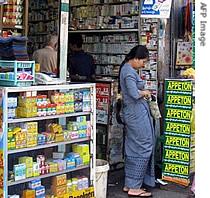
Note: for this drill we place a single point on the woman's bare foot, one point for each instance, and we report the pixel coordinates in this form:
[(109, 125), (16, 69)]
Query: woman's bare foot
[(139, 193), (126, 189)]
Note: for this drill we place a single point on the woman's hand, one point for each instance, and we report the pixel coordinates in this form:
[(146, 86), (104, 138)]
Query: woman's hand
[(146, 94)]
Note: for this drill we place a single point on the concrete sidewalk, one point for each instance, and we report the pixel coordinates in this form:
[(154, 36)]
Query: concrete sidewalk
[(115, 185)]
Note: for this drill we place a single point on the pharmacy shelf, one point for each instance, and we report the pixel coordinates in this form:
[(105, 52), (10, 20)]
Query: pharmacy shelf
[(63, 88), (48, 145), (13, 27), (47, 175), (43, 20), (70, 86), (114, 3), (38, 33), (117, 42), (47, 117), (108, 53), (42, 9), (104, 31), (107, 75)]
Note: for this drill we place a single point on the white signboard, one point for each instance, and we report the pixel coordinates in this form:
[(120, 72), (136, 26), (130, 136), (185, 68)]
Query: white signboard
[(156, 8)]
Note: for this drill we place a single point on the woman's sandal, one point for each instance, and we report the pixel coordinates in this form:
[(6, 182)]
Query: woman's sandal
[(125, 189), (142, 194)]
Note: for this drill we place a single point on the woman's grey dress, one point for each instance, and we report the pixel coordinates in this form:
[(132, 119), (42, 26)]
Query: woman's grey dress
[(140, 137)]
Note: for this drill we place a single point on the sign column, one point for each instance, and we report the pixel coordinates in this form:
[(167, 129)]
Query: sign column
[(177, 130)]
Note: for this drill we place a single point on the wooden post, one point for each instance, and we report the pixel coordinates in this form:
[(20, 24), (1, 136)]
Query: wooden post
[(1, 19), (25, 23)]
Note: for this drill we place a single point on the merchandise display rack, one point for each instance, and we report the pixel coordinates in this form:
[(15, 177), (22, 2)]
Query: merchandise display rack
[(89, 4), (94, 24), (6, 92), (46, 175), (108, 43), (19, 25), (48, 145), (149, 37), (43, 21), (103, 31)]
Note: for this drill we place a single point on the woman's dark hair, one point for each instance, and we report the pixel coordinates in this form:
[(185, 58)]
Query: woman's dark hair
[(139, 52)]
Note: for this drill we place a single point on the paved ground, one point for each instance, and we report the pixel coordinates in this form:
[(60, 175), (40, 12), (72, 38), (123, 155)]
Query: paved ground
[(115, 184)]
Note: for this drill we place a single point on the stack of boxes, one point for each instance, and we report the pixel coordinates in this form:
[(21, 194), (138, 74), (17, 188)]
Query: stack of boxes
[(32, 133), (27, 106), (32, 105), (78, 101), (60, 162), (29, 193), (59, 185), (13, 13), (42, 105), (20, 137), (24, 136), (64, 102), (11, 139), (43, 165), (19, 171), (83, 151), (57, 132), (26, 168), (28, 161), (76, 184), (36, 190), (12, 105), (79, 129), (104, 16)]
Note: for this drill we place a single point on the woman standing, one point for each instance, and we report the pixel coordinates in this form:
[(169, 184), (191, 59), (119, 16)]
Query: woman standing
[(139, 138)]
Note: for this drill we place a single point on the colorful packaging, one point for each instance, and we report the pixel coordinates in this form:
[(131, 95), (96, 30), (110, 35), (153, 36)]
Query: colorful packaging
[(34, 184), (29, 194), (59, 180), (19, 171), (28, 161), (36, 171), (40, 191)]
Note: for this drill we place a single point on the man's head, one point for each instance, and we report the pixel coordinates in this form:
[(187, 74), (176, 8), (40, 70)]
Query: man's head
[(75, 42), (53, 41)]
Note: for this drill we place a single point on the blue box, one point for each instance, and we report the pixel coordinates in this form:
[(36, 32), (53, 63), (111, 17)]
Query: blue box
[(21, 74)]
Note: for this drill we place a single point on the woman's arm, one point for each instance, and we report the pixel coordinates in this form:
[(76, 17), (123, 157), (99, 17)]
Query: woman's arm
[(133, 91)]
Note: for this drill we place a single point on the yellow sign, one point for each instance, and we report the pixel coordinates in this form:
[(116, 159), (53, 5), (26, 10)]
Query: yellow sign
[(179, 86), (176, 169), (179, 114), (176, 127), (37, 67), (179, 100), (177, 141), (87, 193), (177, 155)]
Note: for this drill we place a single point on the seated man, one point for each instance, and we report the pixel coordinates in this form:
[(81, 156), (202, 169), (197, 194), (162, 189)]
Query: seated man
[(80, 64), (47, 57)]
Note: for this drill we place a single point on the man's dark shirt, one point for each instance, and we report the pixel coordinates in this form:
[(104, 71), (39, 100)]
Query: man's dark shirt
[(82, 64)]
